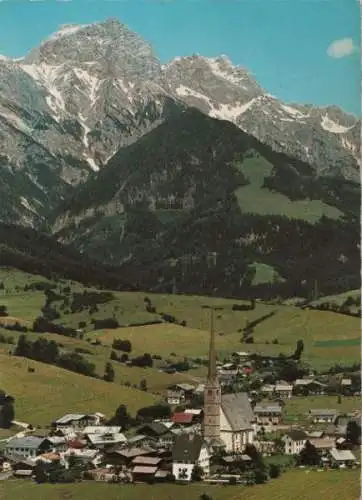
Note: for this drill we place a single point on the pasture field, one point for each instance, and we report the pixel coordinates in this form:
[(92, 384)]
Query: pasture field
[(157, 381), (254, 198), (297, 408), (50, 392), (328, 337), (296, 484)]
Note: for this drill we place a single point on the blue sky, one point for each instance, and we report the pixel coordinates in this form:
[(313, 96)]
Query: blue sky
[(299, 50)]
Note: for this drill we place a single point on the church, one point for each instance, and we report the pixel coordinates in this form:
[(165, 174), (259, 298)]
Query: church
[(227, 417)]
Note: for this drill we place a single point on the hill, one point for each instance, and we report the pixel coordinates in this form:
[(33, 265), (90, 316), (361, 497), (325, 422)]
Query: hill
[(327, 336), (35, 252), (49, 392), (196, 204)]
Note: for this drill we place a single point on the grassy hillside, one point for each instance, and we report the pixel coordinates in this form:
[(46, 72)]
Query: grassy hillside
[(257, 199), (50, 392), (327, 336), (297, 484)]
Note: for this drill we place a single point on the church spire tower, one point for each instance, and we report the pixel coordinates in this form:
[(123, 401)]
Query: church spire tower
[(212, 393)]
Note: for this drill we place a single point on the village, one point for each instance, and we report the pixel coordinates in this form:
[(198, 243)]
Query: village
[(200, 432)]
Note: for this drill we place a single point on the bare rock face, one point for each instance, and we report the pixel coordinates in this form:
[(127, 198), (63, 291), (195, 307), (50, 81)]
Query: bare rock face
[(74, 101)]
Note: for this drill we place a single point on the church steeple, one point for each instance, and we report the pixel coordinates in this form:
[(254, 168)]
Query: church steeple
[(212, 374), (212, 393)]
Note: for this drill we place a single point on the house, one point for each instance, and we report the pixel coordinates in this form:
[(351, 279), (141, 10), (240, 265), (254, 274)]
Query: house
[(17, 463), (265, 447), (196, 412), (187, 389), (140, 440), (59, 443), (93, 457), (283, 390), (28, 446), (294, 441), (324, 416), (268, 414), (147, 461), (267, 390), (102, 429), (341, 458), (182, 418), (124, 456), (76, 421), (189, 450), (241, 356), (306, 387), (175, 398), (143, 473), (236, 416), (154, 429), (102, 441), (323, 445), (229, 461), (346, 386)]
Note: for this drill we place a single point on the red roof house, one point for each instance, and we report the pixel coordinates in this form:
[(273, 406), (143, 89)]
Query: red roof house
[(182, 418)]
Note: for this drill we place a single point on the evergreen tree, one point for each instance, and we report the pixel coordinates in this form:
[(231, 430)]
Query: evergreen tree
[(309, 455), (23, 347), (108, 372), (353, 433), (299, 350)]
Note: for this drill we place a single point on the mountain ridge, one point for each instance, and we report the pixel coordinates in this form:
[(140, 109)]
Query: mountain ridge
[(88, 91)]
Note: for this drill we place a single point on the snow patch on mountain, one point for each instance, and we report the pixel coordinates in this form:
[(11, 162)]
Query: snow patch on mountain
[(331, 126), (91, 82), (215, 65), (46, 75), (184, 91), (230, 112), (292, 111), (27, 205), (86, 130), (92, 163)]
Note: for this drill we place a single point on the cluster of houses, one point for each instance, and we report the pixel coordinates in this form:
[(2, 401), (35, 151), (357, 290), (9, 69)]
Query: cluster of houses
[(227, 425), (157, 451), (163, 449)]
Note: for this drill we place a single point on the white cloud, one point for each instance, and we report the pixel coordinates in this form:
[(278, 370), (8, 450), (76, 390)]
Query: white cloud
[(341, 48)]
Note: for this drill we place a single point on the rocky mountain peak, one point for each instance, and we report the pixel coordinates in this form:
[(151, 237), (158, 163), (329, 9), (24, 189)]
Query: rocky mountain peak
[(105, 43)]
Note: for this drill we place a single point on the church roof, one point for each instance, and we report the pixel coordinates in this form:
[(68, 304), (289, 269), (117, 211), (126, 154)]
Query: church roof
[(237, 410)]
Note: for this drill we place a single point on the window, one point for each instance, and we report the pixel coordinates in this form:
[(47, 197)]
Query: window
[(209, 392)]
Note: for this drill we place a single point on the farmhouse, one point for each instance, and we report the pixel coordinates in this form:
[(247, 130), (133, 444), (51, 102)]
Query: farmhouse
[(307, 387), (324, 416), (75, 421), (236, 415), (294, 442), (341, 458), (101, 441), (283, 390), (28, 446), (175, 398), (268, 414), (189, 451)]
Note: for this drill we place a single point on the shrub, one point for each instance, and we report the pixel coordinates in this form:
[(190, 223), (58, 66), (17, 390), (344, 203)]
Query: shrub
[(122, 345)]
